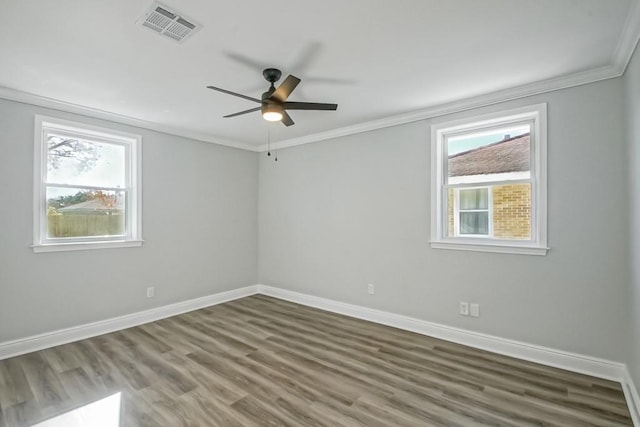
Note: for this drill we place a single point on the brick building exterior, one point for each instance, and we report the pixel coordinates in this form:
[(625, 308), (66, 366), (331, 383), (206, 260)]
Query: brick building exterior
[(510, 207)]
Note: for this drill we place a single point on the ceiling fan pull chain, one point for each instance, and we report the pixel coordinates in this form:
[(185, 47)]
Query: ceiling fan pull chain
[(269, 144), (268, 141)]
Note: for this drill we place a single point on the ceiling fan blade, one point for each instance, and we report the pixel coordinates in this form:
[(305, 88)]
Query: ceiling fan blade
[(286, 119), (228, 92), (310, 106), (284, 90), (329, 80), (245, 60), (251, 110)]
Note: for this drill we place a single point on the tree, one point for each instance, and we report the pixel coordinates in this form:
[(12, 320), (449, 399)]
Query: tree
[(74, 199), (51, 211), (109, 201), (85, 153)]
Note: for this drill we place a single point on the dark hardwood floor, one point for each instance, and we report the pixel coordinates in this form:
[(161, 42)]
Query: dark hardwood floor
[(260, 361)]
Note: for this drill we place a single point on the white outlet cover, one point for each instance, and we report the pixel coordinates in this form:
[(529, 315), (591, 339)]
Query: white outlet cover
[(464, 308), (475, 310), (371, 289)]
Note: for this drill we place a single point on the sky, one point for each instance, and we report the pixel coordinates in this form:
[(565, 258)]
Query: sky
[(108, 171)]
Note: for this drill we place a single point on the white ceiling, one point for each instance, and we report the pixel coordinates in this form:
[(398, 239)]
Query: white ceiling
[(376, 59)]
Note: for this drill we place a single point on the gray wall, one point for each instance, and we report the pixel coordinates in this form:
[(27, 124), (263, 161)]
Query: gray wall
[(199, 226), (336, 215), (339, 214), (632, 88)]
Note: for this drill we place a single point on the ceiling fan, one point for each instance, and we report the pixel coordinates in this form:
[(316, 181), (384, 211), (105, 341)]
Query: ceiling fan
[(274, 104)]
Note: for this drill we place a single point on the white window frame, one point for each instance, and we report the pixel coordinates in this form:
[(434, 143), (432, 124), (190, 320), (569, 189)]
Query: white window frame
[(537, 245), (133, 179), (456, 212)]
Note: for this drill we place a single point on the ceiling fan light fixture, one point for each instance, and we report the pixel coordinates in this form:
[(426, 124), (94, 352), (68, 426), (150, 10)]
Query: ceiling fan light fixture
[(272, 112)]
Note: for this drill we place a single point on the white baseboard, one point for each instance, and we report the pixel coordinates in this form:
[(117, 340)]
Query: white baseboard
[(76, 333), (632, 396), (573, 362), (547, 356)]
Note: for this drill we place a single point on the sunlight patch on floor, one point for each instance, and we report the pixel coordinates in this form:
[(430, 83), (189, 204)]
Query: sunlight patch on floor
[(101, 413)]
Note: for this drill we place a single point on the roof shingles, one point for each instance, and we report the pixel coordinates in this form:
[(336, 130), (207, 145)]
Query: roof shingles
[(508, 155)]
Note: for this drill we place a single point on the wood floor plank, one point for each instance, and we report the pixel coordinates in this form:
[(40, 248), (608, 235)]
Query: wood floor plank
[(15, 387), (79, 385), (209, 383), (314, 379), (22, 414), (43, 381), (261, 361), (136, 374), (213, 412)]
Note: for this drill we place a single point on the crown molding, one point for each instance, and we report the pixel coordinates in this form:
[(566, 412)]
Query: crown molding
[(628, 39), (42, 101), (549, 85)]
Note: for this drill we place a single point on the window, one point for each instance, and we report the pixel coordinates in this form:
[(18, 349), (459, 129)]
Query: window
[(86, 187), (489, 182), (473, 217)]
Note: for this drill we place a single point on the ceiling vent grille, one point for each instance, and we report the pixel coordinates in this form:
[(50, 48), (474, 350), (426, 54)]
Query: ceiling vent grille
[(168, 23)]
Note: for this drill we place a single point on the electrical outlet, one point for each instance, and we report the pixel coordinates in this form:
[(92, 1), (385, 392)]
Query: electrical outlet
[(151, 291), (475, 310), (464, 308), (371, 289)]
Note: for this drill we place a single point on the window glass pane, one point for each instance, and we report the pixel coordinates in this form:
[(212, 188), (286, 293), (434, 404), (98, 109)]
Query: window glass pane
[(489, 155), (512, 211), (474, 223), (75, 161), (476, 198), (73, 212)]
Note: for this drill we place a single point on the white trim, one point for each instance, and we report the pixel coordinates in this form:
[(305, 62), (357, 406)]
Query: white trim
[(76, 333), (536, 115), (628, 39), (99, 133), (503, 178), (132, 145), (574, 362), (632, 396), (623, 54), (83, 246), (492, 98), (475, 246), (42, 101)]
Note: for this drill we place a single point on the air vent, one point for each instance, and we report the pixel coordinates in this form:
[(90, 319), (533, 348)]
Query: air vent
[(168, 23)]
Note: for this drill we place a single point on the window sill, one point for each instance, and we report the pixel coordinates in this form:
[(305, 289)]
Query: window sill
[(491, 247), (81, 246)]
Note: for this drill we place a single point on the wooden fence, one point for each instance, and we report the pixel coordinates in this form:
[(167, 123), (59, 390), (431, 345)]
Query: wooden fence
[(85, 225)]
